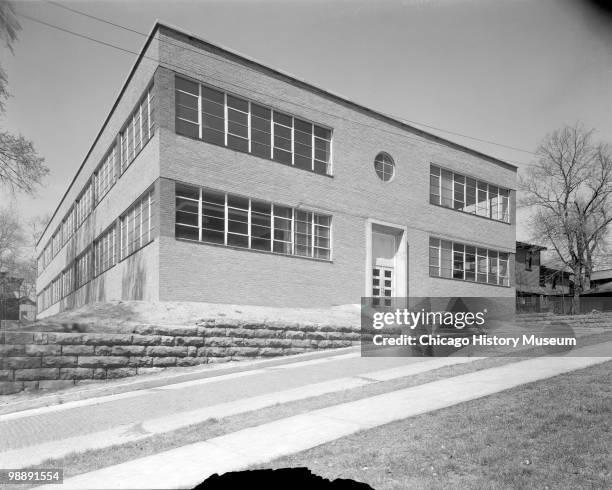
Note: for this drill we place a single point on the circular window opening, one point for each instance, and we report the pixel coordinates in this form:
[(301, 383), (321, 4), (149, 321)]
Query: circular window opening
[(384, 166)]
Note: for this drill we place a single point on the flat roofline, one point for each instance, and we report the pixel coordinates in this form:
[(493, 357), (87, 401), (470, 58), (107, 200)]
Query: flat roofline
[(247, 60)]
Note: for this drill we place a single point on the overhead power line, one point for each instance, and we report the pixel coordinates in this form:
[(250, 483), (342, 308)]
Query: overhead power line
[(199, 52), (223, 81)]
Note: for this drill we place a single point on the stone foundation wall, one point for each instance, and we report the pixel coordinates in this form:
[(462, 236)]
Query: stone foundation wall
[(51, 360)]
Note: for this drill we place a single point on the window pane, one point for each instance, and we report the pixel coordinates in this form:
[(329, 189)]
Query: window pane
[(187, 129), (446, 260), (447, 188), (237, 143), (482, 200), (322, 132), (261, 136), (434, 188), (212, 236), (282, 119), (236, 103), (186, 232), (282, 156), (186, 86), (470, 196)]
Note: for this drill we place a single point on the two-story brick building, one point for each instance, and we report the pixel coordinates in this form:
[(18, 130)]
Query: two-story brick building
[(217, 179)]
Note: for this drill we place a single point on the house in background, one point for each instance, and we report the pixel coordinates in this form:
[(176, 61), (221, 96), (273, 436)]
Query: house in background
[(540, 288), (601, 277), (15, 304), (527, 274), (599, 296)]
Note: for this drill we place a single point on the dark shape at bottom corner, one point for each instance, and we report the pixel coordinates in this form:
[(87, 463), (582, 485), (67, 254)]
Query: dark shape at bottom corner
[(283, 478)]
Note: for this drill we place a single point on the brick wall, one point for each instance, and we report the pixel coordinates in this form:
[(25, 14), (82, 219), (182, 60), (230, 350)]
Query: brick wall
[(51, 360)]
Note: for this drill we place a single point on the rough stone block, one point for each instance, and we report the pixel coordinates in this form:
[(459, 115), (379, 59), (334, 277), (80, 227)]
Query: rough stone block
[(102, 350), (41, 338), (164, 361), (43, 349), (293, 351), (270, 352), (213, 351), (36, 374), (102, 361), (160, 351), (278, 343), (18, 337), (76, 373), (196, 341), (77, 350), (30, 385), (120, 372), (55, 384), (175, 331), (219, 359), (6, 375), (20, 362), (7, 350), (138, 361), (59, 361), (189, 361), (99, 373), (10, 387), (218, 341), (128, 350), (146, 339), (244, 351), (304, 344), (148, 370), (212, 332), (66, 338), (108, 339)]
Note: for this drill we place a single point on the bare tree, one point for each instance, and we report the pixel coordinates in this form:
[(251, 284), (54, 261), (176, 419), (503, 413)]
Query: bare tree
[(21, 169), (570, 191), (11, 239)]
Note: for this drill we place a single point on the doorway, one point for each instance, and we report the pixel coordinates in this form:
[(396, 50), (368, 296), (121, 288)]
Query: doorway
[(387, 272)]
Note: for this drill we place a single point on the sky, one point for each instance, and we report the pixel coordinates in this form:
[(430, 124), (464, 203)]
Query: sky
[(503, 71)]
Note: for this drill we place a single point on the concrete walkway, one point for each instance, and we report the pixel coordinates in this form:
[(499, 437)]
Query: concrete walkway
[(187, 466)]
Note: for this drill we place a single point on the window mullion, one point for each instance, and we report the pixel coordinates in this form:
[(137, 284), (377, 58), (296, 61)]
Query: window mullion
[(200, 216), (272, 135), (225, 112), (226, 220), (272, 227), (200, 111), (292, 231), (312, 149), (292, 141), (312, 234), (249, 220), (249, 136)]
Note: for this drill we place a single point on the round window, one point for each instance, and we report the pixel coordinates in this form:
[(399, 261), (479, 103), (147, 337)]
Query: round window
[(384, 166)]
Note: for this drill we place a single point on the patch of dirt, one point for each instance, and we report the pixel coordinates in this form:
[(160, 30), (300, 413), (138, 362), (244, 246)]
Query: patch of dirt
[(121, 315)]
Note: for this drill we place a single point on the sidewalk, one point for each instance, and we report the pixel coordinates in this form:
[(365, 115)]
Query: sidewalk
[(189, 465)]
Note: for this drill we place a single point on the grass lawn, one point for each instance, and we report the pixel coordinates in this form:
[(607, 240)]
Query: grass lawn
[(552, 434)]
